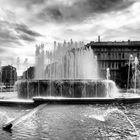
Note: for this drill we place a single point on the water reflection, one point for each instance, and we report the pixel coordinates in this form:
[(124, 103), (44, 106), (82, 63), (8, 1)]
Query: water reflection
[(82, 122)]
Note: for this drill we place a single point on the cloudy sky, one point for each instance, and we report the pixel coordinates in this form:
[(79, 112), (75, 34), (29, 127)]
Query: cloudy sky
[(23, 23)]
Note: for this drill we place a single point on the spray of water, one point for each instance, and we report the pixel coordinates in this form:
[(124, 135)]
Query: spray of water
[(67, 61), (112, 90), (22, 118), (109, 112), (3, 117)]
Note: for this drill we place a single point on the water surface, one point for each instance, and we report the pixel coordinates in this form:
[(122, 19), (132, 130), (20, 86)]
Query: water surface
[(73, 122)]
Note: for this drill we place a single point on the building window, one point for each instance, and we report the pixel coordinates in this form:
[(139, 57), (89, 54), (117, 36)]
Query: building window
[(116, 55), (138, 55), (123, 55), (98, 56), (112, 65), (119, 55), (109, 55)]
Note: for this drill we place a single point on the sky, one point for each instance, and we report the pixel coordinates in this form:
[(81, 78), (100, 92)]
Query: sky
[(25, 23)]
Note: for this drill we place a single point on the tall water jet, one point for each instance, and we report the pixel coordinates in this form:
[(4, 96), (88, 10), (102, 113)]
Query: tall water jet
[(136, 62), (69, 61), (133, 66), (39, 60)]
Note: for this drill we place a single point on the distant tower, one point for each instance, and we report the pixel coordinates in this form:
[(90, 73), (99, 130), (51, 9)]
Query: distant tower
[(99, 39)]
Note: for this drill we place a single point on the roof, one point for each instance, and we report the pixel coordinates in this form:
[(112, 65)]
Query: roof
[(114, 43)]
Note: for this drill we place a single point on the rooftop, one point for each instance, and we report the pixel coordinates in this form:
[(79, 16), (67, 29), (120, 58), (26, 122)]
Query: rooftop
[(114, 43)]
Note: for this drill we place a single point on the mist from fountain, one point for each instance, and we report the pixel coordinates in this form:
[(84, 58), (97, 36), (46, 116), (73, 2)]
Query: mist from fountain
[(69, 70), (66, 61), (136, 62)]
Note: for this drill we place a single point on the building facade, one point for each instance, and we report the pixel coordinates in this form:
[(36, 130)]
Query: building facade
[(9, 75), (114, 55), (29, 73)]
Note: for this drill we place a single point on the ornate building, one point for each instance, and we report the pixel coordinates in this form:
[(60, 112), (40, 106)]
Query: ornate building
[(114, 55)]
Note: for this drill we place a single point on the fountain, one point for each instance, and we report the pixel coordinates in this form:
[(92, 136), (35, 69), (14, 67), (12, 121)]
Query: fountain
[(70, 70), (70, 74)]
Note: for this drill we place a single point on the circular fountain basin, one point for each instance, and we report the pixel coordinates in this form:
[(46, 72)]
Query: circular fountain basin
[(65, 88)]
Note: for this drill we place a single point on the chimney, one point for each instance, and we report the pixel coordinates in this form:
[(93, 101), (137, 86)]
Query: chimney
[(98, 38)]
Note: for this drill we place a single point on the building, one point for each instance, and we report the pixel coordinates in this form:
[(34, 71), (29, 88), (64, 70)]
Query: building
[(8, 75), (29, 73), (114, 55)]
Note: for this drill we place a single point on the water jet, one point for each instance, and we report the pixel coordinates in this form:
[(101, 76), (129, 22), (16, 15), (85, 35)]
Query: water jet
[(70, 71), (8, 126)]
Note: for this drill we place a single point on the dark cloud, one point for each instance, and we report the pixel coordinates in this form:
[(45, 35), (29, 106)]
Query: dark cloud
[(54, 13), (12, 33), (7, 35), (27, 38), (22, 28), (80, 9), (105, 5), (25, 33)]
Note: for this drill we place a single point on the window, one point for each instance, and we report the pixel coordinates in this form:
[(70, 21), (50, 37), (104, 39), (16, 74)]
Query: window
[(113, 65), (119, 55), (123, 55)]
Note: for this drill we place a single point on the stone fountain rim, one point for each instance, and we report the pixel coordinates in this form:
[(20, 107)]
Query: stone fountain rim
[(79, 101), (65, 80)]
